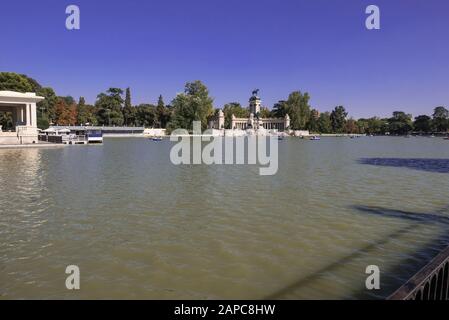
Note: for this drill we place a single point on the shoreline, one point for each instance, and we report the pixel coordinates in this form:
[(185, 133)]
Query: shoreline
[(31, 146)]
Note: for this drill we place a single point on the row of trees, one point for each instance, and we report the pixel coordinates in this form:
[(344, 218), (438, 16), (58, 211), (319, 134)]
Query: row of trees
[(114, 108), (304, 117), (110, 107)]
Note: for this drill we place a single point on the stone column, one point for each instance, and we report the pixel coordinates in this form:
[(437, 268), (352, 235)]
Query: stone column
[(221, 120), (287, 122), (18, 115), (233, 122), (22, 114), (28, 115), (33, 115)]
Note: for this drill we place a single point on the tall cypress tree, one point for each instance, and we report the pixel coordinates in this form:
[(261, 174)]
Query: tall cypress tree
[(128, 98), (128, 111), (160, 112)]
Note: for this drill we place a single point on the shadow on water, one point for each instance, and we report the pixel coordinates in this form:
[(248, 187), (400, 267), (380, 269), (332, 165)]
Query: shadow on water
[(436, 217), (398, 275), (333, 266), (429, 165)]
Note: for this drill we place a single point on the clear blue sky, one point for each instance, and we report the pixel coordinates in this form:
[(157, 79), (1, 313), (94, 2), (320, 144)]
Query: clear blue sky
[(235, 46)]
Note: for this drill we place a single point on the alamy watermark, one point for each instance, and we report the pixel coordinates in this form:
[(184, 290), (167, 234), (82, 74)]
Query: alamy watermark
[(221, 150), (73, 21), (73, 280), (372, 22), (372, 282)]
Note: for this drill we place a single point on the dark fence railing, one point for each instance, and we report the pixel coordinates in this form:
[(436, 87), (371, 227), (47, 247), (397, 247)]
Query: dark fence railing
[(431, 283), (51, 139)]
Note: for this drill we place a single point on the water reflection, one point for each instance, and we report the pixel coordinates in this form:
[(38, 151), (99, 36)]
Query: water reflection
[(429, 165)]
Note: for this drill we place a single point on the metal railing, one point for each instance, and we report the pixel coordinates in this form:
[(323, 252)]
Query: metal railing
[(431, 283)]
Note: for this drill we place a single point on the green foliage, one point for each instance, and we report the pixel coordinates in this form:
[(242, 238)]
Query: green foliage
[(440, 119), (43, 123), (338, 119), (192, 105), (163, 113), (129, 112), (109, 107), (146, 115), (6, 121), (234, 108), (128, 98), (86, 113), (47, 107), (280, 109), (264, 113), (313, 122), (10, 81), (423, 124), (298, 109), (373, 126), (324, 123), (400, 123)]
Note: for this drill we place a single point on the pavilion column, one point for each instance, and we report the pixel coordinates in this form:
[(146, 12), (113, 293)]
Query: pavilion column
[(22, 115), (18, 116), (27, 115), (33, 120)]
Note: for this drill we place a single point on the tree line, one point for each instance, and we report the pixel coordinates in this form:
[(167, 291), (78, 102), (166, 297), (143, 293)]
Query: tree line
[(114, 108)]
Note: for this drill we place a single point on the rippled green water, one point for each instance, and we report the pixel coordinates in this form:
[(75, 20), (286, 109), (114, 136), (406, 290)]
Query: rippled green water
[(140, 227)]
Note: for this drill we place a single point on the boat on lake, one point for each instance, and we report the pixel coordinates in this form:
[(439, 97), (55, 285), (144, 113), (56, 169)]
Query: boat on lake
[(156, 139), (314, 138)]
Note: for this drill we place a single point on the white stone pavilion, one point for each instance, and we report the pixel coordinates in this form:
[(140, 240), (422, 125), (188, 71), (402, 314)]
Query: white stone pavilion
[(22, 106)]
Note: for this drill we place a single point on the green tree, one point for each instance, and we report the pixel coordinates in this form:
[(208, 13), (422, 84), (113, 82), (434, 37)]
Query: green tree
[(82, 112), (313, 123), (400, 123), (440, 119), (109, 107), (280, 109), (324, 123), (234, 108), (86, 113), (264, 112), (163, 113), (298, 109), (146, 115), (423, 123), (192, 105), (47, 107), (128, 98), (338, 119), (129, 112), (10, 81)]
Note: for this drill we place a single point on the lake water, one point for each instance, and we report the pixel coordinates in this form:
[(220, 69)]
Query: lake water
[(141, 228)]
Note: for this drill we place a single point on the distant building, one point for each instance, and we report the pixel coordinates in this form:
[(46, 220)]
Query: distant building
[(22, 107), (254, 121)]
